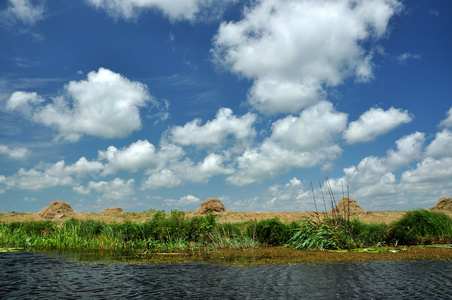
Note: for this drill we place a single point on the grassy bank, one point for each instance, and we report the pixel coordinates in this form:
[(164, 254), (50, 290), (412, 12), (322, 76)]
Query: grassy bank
[(177, 231)]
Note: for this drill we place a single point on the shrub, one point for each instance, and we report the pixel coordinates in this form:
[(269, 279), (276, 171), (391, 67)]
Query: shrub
[(369, 234), (271, 232), (422, 226)]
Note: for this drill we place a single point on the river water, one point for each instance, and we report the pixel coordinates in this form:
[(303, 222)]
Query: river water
[(25, 275)]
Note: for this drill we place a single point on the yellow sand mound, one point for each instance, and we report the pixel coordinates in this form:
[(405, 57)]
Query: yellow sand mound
[(213, 205), (348, 206), (113, 210), (443, 204), (57, 210)]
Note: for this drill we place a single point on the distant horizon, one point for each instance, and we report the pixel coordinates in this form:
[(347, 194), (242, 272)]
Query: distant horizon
[(164, 104), (192, 210)]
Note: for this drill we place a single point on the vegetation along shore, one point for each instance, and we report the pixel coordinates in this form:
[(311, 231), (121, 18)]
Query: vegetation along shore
[(221, 233)]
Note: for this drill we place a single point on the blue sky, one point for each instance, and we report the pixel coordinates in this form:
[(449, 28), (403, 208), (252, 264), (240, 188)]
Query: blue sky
[(163, 104)]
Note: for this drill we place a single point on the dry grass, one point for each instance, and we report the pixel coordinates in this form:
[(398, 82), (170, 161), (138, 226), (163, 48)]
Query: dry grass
[(231, 217), (211, 206), (57, 210)]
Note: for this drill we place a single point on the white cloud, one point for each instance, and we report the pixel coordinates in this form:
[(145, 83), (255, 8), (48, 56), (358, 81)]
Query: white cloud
[(105, 105), (215, 132), (375, 122), (139, 155), (371, 168), (288, 197), (15, 153), (374, 176), (291, 196), (292, 48), (316, 126), (409, 149), (448, 121), (24, 102), (296, 142), (163, 178), (117, 189), (173, 9), (271, 96), (431, 173), (58, 174), (23, 11), (405, 58), (35, 179), (441, 145), (84, 167), (184, 202), (178, 172)]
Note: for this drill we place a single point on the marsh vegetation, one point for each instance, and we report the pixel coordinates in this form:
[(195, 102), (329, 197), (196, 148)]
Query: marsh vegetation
[(176, 231)]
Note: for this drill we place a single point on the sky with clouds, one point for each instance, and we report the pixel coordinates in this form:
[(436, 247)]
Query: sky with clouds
[(165, 103)]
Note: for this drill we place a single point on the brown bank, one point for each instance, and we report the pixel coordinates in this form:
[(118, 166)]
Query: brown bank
[(59, 211)]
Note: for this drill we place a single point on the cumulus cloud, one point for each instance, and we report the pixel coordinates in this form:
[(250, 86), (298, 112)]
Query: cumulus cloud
[(178, 172), (292, 196), (292, 49), (374, 178), (105, 105), (427, 172), (305, 141), (215, 132), (375, 122), (15, 153), (186, 201), (116, 189), (173, 9), (24, 102), (287, 197), (315, 127), (441, 145), (138, 155), (163, 178), (448, 121), (23, 11), (58, 174), (409, 149), (370, 169)]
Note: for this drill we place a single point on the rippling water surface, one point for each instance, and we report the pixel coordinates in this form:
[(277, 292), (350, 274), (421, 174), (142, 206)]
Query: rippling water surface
[(52, 276)]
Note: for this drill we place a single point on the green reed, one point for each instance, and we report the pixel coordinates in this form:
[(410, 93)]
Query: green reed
[(177, 231), (422, 227), (161, 233)]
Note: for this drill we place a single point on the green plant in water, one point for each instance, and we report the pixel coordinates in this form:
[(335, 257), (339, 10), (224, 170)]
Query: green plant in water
[(323, 235)]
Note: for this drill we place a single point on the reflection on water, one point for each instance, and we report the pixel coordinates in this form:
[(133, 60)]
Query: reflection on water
[(56, 276)]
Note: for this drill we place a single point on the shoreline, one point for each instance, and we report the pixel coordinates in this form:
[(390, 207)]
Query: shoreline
[(262, 256)]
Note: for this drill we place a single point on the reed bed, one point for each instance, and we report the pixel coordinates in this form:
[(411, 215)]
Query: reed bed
[(177, 231)]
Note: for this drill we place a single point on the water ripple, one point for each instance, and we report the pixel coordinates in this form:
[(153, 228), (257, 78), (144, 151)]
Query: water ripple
[(49, 276)]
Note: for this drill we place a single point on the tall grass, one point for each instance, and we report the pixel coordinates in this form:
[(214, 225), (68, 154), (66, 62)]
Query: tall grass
[(337, 231), (161, 233), (177, 231), (422, 226), (271, 232), (323, 235)]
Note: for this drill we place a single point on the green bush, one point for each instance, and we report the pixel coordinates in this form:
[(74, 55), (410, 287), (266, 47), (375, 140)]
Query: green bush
[(271, 232), (421, 227), (369, 234)]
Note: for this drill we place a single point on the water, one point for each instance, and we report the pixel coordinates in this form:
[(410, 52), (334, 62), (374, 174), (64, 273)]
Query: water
[(52, 276)]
